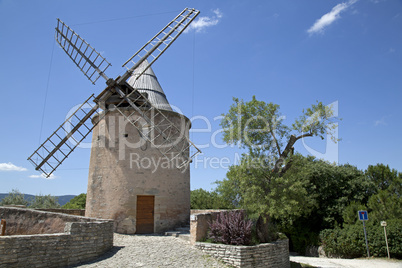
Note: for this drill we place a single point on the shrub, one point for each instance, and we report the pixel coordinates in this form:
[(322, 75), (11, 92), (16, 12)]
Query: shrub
[(78, 202), (349, 242), (346, 243), (45, 201), (231, 228), (14, 197)]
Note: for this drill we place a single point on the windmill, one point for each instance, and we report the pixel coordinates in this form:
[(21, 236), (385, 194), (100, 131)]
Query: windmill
[(51, 153), (133, 106)]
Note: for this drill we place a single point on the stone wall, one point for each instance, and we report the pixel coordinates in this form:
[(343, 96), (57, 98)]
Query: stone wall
[(275, 254), (29, 221), (199, 220), (270, 255), (82, 239), (76, 212)]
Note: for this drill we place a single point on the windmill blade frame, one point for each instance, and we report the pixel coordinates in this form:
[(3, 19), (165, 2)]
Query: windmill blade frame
[(87, 59), (55, 149), (177, 26)]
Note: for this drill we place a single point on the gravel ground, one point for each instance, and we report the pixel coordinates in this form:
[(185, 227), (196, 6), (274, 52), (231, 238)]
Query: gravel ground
[(153, 251), (347, 263), (167, 251)]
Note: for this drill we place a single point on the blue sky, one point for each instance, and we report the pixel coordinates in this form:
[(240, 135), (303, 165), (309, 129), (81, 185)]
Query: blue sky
[(291, 53)]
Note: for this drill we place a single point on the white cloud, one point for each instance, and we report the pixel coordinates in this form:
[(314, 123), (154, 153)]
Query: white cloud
[(43, 176), (11, 167), (328, 18), (203, 22)]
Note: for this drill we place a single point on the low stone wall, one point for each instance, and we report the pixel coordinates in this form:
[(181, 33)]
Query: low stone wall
[(270, 255), (76, 212), (199, 220), (29, 221), (82, 239)]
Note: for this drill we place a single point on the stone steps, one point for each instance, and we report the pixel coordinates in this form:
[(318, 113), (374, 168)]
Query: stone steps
[(180, 232)]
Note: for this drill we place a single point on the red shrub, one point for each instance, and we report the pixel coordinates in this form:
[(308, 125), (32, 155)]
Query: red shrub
[(231, 227)]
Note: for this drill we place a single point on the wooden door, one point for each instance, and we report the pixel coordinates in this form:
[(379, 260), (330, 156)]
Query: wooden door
[(145, 214)]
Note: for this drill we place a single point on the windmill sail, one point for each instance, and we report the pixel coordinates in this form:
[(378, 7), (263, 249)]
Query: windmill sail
[(65, 139), (155, 47), (87, 59)]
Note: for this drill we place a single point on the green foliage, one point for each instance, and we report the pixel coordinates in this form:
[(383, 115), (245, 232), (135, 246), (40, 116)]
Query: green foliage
[(14, 197), (311, 196), (77, 202), (262, 193), (382, 176), (302, 194), (255, 125), (202, 199), (385, 205), (332, 188), (258, 127), (345, 243), (317, 120), (377, 244), (44, 201), (386, 201), (349, 242), (350, 213), (310, 188)]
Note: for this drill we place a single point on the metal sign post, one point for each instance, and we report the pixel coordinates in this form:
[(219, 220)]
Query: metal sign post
[(363, 216), (384, 224)]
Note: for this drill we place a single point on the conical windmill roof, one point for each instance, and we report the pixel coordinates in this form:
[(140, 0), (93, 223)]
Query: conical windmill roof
[(148, 83)]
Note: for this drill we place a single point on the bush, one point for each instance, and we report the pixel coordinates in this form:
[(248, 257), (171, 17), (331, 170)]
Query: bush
[(14, 197), (231, 228), (45, 201), (349, 242), (346, 243), (77, 202), (376, 239)]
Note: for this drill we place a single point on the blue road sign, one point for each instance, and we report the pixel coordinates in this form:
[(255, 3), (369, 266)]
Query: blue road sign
[(363, 216)]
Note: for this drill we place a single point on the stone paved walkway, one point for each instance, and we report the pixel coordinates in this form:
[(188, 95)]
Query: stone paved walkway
[(153, 251), (167, 251), (347, 263)]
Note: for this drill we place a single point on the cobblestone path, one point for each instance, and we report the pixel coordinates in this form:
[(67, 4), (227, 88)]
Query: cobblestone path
[(153, 251)]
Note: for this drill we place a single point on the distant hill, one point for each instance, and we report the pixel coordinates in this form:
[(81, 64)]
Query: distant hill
[(63, 199)]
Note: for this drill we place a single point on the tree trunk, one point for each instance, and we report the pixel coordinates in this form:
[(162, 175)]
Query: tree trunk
[(266, 231)]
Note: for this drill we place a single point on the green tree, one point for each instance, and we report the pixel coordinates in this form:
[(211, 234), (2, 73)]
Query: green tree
[(311, 196), (202, 199), (386, 201), (258, 182), (382, 176), (263, 182), (78, 202), (258, 127), (266, 193), (14, 197), (350, 213), (44, 201)]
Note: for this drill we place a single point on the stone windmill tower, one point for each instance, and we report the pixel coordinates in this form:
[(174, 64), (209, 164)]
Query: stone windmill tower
[(139, 166), (129, 180)]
